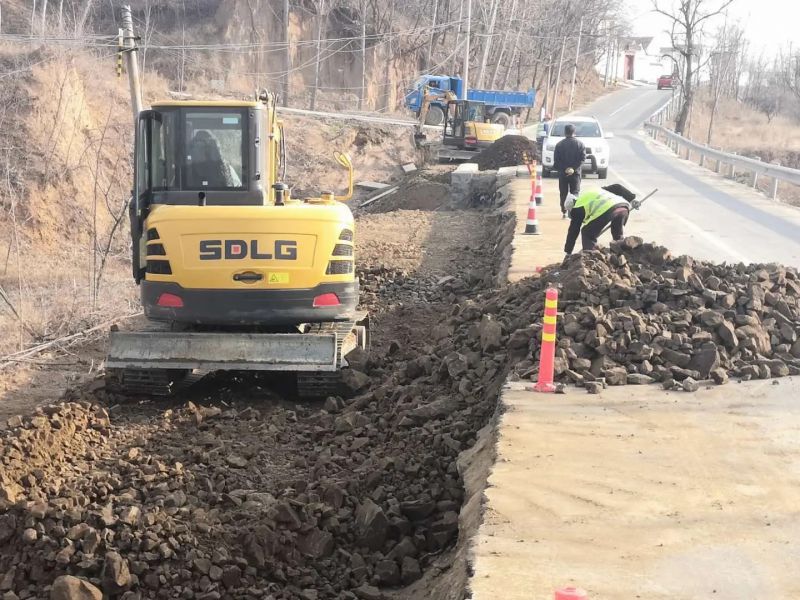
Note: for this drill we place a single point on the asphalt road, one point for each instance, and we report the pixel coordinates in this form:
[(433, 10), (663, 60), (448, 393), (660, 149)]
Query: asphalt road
[(695, 211)]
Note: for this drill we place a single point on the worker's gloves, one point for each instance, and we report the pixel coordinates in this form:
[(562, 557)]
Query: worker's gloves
[(569, 202), (636, 204), (569, 171)]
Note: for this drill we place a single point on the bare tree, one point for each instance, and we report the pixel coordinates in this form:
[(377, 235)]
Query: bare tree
[(44, 16), (432, 41), (322, 19), (487, 41), (362, 91), (80, 24), (789, 69), (687, 21), (723, 73)]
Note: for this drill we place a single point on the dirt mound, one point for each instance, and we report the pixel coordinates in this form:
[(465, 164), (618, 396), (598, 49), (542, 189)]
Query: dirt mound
[(508, 151), (417, 193), (636, 315), (370, 135)]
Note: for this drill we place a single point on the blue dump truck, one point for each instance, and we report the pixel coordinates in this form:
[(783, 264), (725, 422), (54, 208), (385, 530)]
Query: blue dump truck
[(500, 105)]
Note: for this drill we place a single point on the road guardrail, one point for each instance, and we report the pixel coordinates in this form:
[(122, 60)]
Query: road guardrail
[(722, 160)]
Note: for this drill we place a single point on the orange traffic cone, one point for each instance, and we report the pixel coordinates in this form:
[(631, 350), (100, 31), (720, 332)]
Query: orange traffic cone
[(531, 224), (537, 193)]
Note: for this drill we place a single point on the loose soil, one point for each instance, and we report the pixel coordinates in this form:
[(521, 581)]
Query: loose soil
[(235, 491), (415, 193), (508, 151)]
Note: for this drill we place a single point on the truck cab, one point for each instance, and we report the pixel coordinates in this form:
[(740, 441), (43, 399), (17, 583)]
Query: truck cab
[(437, 85)]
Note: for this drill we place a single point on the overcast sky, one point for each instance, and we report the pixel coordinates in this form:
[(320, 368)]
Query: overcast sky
[(770, 24)]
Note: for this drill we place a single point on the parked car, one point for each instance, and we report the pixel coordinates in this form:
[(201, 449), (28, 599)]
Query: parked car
[(665, 81), (588, 129)]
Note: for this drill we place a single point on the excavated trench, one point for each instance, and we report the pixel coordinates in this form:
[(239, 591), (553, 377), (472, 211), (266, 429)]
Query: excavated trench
[(235, 490)]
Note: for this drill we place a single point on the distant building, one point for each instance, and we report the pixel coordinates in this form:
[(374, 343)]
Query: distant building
[(636, 59)]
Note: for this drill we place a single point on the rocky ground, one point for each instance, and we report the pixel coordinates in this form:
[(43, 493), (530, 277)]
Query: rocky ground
[(235, 491)]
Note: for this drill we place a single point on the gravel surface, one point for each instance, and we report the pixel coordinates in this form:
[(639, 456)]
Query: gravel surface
[(235, 491)]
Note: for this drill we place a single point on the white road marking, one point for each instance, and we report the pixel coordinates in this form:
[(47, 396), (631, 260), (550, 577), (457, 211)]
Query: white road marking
[(624, 106), (710, 238)]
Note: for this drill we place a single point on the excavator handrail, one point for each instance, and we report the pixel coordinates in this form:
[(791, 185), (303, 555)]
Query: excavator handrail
[(344, 159)]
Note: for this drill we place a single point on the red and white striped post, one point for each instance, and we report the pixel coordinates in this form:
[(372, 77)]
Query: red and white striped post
[(531, 223), (537, 190), (547, 357)]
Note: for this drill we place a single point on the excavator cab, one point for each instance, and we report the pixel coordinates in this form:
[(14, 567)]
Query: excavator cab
[(467, 127)]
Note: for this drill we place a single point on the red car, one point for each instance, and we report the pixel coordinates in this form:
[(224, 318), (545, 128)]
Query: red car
[(665, 81)]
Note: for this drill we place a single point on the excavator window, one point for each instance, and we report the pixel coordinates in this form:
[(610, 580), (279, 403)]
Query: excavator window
[(199, 155), (475, 112), (162, 152), (214, 150)]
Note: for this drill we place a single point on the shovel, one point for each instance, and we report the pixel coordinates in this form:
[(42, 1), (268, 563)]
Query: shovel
[(607, 227)]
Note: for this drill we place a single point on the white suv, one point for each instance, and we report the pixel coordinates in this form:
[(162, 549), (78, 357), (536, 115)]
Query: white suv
[(588, 129)]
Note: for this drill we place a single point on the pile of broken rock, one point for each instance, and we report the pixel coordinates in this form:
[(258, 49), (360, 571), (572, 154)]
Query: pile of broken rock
[(636, 315)]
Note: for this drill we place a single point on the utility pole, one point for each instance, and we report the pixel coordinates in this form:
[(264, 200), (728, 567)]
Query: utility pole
[(554, 103), (547, 83), (465, 76), (616, 61), (608, 57), (575, 66), (132, 62)]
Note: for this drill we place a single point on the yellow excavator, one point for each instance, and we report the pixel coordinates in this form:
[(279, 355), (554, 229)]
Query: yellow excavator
[(465, 128), (234, 273)]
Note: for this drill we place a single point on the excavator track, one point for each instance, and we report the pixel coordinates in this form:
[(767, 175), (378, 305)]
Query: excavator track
[(150, 382), (350, 334)]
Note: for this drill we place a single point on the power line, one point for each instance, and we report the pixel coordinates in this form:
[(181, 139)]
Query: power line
[(95, 41)]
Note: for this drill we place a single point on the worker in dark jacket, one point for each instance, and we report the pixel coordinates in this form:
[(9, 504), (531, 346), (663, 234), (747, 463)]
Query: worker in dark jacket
[(592, 211), (567, 162)]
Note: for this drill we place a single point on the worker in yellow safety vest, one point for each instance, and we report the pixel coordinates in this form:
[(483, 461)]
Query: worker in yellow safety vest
[(593, 210)]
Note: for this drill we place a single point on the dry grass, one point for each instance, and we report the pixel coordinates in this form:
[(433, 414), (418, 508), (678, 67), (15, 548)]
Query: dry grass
[(741, 129), (64, 182), (53, 299)]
